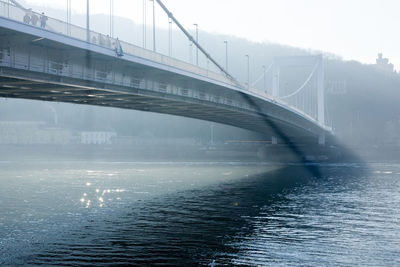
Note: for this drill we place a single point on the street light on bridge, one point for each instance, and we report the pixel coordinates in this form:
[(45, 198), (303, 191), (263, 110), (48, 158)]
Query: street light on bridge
[(226, 55), (87, 22), (169, 36), (154, 26), (190, 52), (264, 79), (144, 24), (197, 41), (248, 71)]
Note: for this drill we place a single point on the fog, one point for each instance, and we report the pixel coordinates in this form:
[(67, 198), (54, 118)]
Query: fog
[(361, 106), (82, 184)]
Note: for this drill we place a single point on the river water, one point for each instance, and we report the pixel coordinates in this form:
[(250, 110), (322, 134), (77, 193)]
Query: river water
[(189, 214)]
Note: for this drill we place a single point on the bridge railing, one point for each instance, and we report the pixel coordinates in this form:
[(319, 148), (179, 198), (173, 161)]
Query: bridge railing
[(51, 24)]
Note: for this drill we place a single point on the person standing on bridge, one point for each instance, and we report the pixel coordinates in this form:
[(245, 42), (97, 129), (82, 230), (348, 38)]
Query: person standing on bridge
[(43, 20), (118, 48), (34, 19), (27, 18)]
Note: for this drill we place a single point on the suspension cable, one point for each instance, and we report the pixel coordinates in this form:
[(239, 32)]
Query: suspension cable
[(262, 75), (304, 84), (18, 4), (190, 37)]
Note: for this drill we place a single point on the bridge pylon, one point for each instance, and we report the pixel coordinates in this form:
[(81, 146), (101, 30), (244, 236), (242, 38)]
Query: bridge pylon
[(316, 62), (318, 70)]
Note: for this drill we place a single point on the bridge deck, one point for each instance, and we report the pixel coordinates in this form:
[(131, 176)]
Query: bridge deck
[(38, 63)]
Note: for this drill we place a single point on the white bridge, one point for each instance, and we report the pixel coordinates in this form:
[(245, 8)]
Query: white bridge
[(66, 63)]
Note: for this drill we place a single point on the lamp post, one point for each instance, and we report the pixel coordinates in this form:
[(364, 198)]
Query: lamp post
[(197, 41), (69, 17), (248, 71), (264, 84), (144, 23), (169, 36), (212, 134), (226, 55), (87, 22), (154, 26), (111, 18), (190, 52)]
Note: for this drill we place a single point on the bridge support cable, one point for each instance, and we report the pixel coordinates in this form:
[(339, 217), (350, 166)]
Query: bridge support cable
[(262, 75), (303, 85), (321, 93), (302, 98), (193, 40), (275, 80), (18, 4), (96, 85)]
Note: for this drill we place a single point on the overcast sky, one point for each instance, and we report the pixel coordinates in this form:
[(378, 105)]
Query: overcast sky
[(352, 29)]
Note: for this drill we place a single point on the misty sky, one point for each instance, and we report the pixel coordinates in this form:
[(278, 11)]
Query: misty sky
[(352, 29)]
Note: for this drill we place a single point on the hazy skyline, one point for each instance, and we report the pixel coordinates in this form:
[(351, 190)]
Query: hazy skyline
[(355, 29)]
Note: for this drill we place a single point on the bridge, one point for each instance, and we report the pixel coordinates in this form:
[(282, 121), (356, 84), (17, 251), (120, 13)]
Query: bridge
[(53, 60)]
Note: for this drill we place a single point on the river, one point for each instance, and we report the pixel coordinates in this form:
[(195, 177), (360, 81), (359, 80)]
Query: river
[(185, 214)]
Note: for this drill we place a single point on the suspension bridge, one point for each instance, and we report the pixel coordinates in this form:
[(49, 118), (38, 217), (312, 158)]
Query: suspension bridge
[(47, 59)]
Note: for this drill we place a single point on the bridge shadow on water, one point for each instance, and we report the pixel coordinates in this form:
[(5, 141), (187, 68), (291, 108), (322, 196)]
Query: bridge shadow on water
[(186, 228)]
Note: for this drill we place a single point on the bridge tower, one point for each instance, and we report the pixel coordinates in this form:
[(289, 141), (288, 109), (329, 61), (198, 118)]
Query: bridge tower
[(318, 70)]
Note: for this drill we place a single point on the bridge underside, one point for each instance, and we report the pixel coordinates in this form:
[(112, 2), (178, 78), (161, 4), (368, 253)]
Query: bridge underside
[(93, 94), (34, 67)]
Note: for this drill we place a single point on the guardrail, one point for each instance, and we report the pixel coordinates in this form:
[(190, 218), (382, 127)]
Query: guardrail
[(41, 20)]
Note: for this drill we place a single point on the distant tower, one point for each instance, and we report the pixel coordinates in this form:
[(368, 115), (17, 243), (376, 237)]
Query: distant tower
[(383, 64)]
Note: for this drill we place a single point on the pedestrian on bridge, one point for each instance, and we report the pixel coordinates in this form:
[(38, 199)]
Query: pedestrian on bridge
[(118, 48), (27, 18), (34, 19), (43, 20)]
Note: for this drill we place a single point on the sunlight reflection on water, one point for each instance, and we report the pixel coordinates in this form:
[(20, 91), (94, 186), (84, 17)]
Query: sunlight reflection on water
[(191, 214)]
